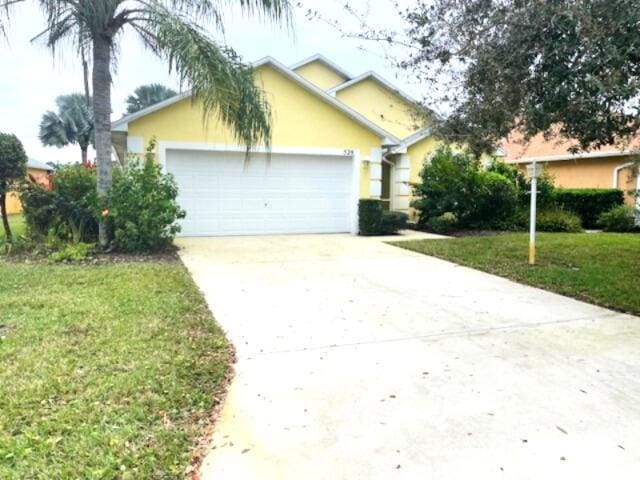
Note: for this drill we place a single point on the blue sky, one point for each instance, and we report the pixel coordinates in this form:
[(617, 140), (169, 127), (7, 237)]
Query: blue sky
[(32, 76)]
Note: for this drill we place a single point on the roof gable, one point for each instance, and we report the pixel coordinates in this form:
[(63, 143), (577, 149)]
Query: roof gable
[(387, 137), (318, 59), (383, 104)]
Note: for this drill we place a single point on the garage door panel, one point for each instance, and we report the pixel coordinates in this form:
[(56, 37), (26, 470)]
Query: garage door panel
[(224, 195)]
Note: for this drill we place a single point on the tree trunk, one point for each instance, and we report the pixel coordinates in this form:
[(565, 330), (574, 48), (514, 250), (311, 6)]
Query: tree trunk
[(83, 152), (5, 219), (85, 73), (102, 121)]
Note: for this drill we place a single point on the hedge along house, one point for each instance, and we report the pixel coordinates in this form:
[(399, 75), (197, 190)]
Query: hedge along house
[(330, 147), (608, 167)]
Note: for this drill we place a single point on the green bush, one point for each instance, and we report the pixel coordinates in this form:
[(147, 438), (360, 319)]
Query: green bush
[(588, 203), (448, 183), (618, 219), (557, 221), (373, 220), (369, 216), (142, 208), (496, 201), (455, 182), (392, 222), (68, 209), (443, 224), (38, 209), (544, 190), (75, 252)]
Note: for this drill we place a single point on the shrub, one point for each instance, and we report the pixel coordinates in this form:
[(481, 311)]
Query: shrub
[(142, 208), (68, 210), (75, 252), (589, 203), (369, 216), (392, 222), (443, 224), (372, 220), (76, 203), (618, 219), (454, 182), (496, 199), (448, 183), (544, 190), (557, 221), (38, 209)]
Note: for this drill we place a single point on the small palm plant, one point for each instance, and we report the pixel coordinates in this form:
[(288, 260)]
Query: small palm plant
[(72, 124), (171, 29), (146, 95)]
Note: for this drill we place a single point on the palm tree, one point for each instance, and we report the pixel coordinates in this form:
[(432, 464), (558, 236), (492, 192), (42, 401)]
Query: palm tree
[(146, 95), (171, 29), (73, 124)]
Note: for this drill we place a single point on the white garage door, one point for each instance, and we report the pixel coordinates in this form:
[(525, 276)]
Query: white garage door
[(224, 195)]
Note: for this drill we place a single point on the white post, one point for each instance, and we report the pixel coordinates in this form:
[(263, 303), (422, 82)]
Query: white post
[(534, 173), (532, 221)]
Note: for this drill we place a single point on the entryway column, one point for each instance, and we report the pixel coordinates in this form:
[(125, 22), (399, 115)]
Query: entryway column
[(375, 173), (401, 187)]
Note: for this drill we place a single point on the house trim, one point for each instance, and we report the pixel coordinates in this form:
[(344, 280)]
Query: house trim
[(575, 156)]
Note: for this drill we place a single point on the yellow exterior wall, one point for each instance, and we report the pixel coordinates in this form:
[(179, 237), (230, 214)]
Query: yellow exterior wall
[(13, 202), (383, 107), (320, 75), (418, 153), (300, 119), (591, 173)]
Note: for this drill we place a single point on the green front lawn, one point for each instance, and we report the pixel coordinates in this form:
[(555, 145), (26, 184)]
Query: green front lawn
[(108, 371), (17, 225), (599, 268)]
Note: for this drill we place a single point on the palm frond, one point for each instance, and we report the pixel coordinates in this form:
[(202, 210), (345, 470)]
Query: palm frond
[(72, 124), (5, 14), (146, 95), (218, 78)]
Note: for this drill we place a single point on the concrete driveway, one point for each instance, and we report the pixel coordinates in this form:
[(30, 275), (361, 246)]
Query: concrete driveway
[(359, 360)]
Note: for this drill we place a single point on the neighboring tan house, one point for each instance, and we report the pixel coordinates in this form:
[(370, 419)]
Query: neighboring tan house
[(336, 138), (37, 171), (608, 167)]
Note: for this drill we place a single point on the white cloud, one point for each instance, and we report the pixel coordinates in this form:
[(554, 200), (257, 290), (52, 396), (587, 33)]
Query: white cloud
[(31, 77)]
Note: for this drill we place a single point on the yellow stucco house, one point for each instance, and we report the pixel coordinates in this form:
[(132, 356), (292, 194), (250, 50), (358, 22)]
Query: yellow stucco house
[(336, 138)]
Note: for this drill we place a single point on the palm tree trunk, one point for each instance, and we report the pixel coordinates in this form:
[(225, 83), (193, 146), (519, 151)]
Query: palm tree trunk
[(5, 219), (85, 73), (102, 121), (83, 153)]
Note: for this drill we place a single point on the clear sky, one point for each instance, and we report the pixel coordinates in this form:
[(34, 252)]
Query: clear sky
[(31, 76)]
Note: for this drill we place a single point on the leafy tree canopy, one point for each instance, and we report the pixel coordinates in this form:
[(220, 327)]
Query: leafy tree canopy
[(13, 167), (570, 67), (146, 95), (13, 160)]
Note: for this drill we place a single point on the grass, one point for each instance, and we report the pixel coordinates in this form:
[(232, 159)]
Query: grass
[(108, 371), (599, 268), (17, 225)]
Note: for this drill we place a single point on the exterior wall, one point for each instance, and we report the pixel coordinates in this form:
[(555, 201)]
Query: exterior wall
[(13, 202), (591, 173), (320, 75), (300, 119), (383, 107)]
